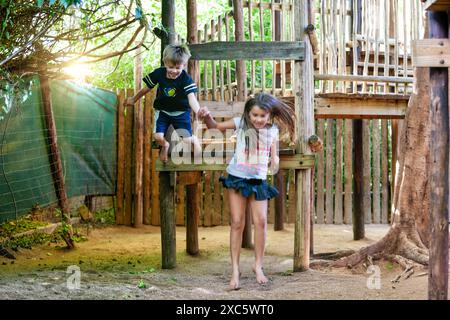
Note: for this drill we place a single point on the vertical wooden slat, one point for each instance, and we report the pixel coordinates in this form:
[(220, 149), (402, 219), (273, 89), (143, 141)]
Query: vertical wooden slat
[(227, 38), (180, 201), (226, 207), (274, 62), (213, 65), (282, 38), (291, 197), (320, 175), (199, 83), (155, 189), (384, 172), (138, 134), (221, 79), (192, 217), (148, 129), (338, 180), (205, 74), (367, 207), (348, 166), (280, 200), (207, 207), (129, 162), (250, 31), (262, 33), (120, 159), (376, 170), (329, 172), (217, 200)]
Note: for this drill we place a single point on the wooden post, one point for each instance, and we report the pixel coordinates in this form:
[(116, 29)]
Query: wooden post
[(238, 15), (304, 103), (439, 148), (147, 175), (280, 200), (193, 191), (166, 188), (55, 159), (138, 200), (192, 217), (358, 162)]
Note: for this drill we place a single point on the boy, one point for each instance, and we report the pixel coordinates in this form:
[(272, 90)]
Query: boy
[(174, 99)]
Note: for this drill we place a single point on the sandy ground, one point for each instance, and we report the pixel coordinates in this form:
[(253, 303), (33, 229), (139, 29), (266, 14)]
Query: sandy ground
[(125, 263)]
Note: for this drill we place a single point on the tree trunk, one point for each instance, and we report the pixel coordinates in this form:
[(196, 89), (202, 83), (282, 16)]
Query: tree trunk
[(408, 239)]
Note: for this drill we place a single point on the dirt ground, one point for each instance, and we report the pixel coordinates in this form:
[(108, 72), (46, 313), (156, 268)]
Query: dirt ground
[(125, 263)]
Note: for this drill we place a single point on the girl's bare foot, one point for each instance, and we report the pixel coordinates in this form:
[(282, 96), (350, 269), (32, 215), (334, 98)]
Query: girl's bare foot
[(234, 282), (164, 153), (260, 277)]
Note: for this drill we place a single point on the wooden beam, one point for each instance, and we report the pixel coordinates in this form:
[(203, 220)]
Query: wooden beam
[(286, 162), (431, 53), (437, 5), (357, 78), (357, 106), (439, 171), (248, 50)]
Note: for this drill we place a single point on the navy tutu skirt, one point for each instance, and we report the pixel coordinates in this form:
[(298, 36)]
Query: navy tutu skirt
[(246, 187)]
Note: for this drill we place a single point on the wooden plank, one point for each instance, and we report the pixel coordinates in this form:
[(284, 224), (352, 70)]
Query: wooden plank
[(384, 172), (363, 78), (155, 189), (213, 66), (217, 200), (367, 197), (437, 5), (120, 159), (291, 197), (226, 205), (320, 175), (338, 214), (207, 204), (431, 53), (138, 136), (168, 227), (129, 118), (376, 201), (148, 128), (286, 162), (329, 172), (348, 167), (280, 200), (248, 50), (326, 108)]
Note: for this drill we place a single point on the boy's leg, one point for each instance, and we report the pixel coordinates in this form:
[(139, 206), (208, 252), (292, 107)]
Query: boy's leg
[(182, 124), (162, 124), (259, 215), (237, 212)]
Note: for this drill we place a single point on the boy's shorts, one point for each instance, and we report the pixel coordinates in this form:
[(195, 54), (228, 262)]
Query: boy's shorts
[(181, 123)]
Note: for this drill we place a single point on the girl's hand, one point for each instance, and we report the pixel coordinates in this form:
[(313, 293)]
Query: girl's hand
[(203, 113)]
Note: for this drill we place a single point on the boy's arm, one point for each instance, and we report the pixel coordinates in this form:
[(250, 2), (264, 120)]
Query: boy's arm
[(132, 100), (193, 102)]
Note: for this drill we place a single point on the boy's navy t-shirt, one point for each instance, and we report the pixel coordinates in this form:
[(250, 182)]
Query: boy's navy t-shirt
[(172, 93)]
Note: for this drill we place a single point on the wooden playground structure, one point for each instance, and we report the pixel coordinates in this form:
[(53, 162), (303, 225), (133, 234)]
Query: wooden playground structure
[(354, 68)]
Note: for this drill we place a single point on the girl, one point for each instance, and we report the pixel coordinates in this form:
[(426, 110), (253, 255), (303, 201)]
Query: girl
[(257, 139)]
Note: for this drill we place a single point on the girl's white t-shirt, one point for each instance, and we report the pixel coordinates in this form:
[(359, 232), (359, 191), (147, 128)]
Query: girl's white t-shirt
[(252, 162)]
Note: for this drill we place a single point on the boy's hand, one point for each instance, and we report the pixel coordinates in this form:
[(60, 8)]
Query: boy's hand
[(203, 113), (129, 102)]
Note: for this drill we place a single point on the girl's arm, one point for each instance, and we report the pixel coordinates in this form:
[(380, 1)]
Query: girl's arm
[(132, 100), (206, 116), (275, 159), (193, 102)]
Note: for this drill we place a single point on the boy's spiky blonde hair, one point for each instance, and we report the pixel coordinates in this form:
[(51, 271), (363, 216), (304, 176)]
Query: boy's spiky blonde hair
[(176, 54)]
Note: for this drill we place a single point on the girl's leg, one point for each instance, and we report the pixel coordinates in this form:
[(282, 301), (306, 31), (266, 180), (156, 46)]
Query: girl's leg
[(259, 215), (159, 138), (237, 212)]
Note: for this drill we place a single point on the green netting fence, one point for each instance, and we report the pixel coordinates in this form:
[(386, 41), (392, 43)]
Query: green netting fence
[(85, 119)]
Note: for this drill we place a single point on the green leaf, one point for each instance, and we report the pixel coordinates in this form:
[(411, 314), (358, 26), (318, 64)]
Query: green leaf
[(40, 3), (3, 3)]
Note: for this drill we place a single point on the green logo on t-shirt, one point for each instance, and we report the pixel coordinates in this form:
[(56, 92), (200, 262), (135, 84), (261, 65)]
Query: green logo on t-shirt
[(170, 92)]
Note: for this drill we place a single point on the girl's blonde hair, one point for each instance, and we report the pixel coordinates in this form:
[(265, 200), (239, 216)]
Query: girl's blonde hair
[(279, 111), (176, 54)]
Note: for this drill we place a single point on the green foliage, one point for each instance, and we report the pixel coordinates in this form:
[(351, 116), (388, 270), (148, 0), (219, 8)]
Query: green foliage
[(142, 284), (105, 217), (9, 228)]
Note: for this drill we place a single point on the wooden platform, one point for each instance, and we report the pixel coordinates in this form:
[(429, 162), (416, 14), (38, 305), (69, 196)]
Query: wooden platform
[(360, 106)]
